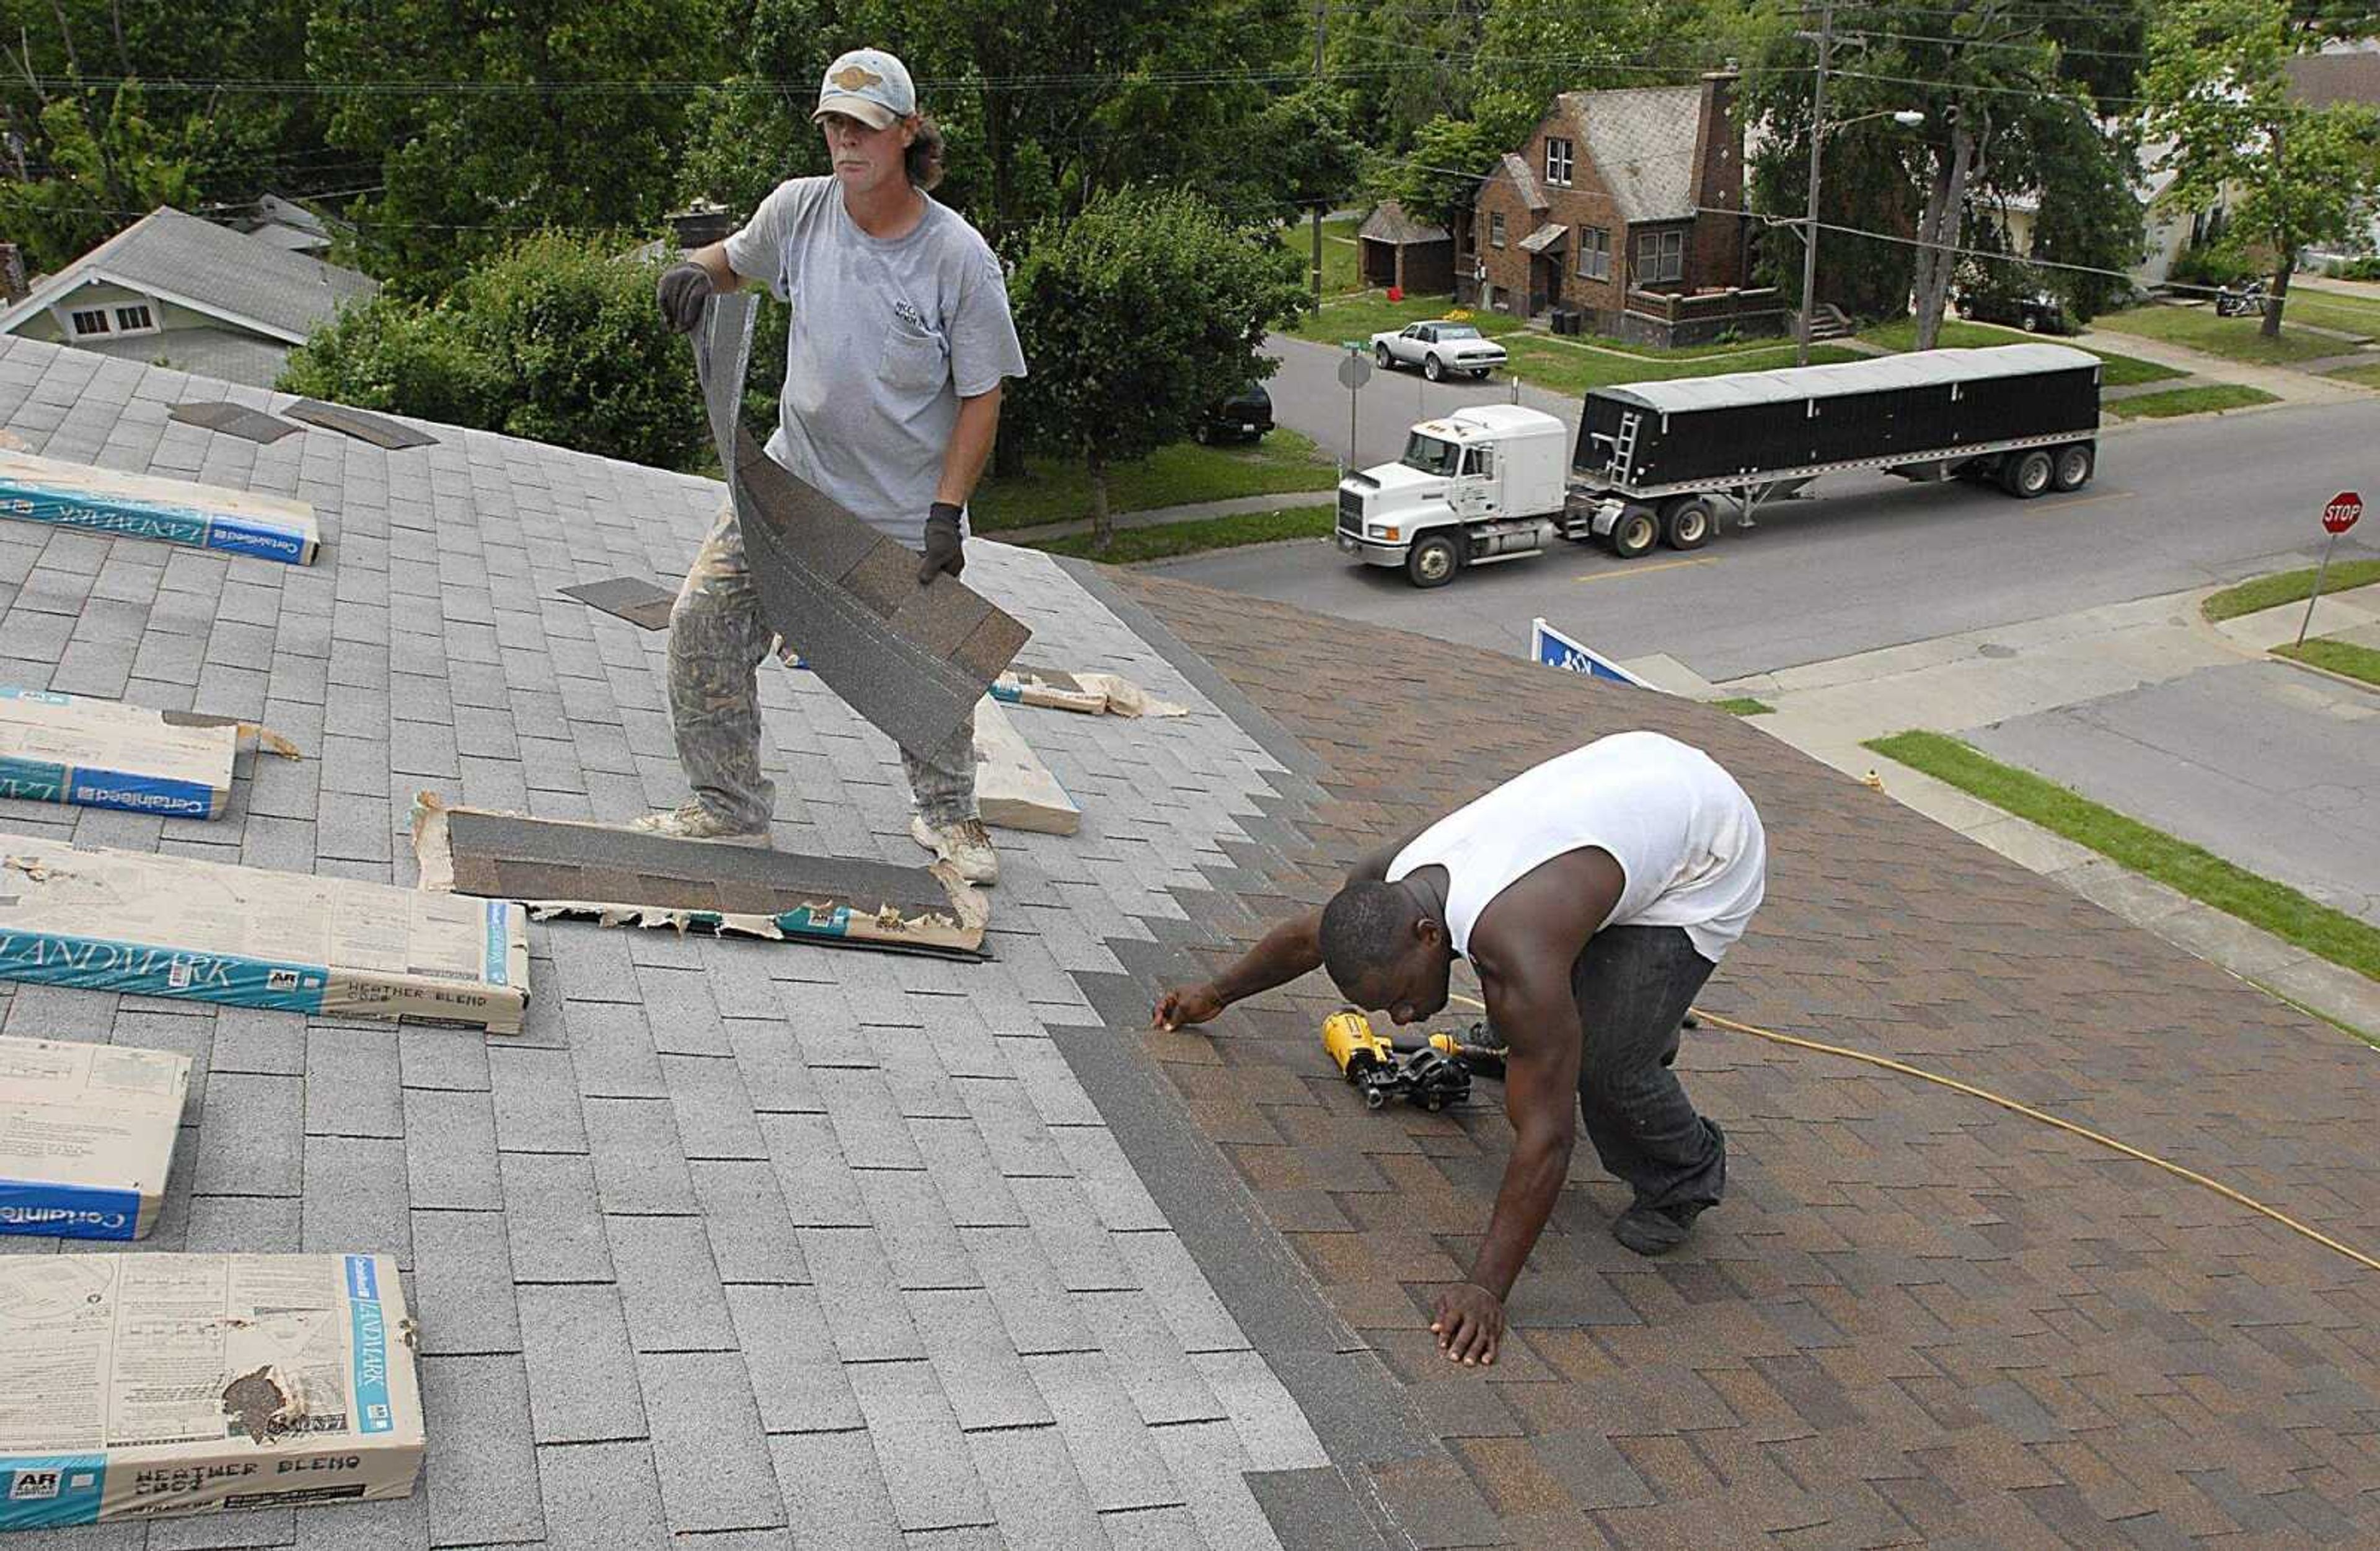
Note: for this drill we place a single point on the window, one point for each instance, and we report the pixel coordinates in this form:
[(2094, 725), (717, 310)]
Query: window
[(1594, 253), (133, 319), (1660, 256), (1558, 162), (1480, 460), (1495, 228), (92, 322)]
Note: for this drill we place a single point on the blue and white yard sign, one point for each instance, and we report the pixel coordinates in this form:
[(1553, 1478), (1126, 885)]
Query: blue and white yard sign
[(1553, 649)]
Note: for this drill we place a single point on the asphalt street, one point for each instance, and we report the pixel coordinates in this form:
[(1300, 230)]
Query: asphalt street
[(2275, 769), (1870, 562)]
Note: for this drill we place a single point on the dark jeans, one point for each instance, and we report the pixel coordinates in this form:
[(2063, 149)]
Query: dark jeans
[(1634, 986)]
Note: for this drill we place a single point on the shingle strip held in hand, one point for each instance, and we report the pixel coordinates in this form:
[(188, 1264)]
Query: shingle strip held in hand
[(233, 419), (911, 660), (563, 867), (378, 430)]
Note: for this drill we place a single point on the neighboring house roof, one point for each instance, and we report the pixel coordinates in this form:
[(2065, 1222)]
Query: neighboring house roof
[(1641, 140), (235, 276), (2322, 81), (1545, 237), (1515, 167), (230, 354), (1390, 224)]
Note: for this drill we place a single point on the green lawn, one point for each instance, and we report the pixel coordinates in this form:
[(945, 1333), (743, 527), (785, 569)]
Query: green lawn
[(2369, 376), (1362, 316), (2329, 309), (2121, 370), (1052, 491), (1132, 544), (2215, 397), (2339, 657), (1341, 271), (1743, 705), (2235, 339), (2289, 586), (2273, 907)]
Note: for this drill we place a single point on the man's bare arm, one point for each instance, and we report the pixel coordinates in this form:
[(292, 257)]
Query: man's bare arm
[(970, 447), (714, 263)]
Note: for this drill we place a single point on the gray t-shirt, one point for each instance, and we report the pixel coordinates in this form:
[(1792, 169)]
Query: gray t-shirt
[(888, 335)]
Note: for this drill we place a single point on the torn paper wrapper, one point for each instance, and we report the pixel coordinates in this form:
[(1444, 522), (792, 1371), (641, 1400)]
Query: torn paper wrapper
[(143, 506), (150, 1386), (618, 877), (96, 753), (170, 927), (1090, 693), (86, 1136)]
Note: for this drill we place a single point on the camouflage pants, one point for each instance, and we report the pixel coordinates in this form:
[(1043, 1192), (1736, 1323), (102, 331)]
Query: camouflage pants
[(717, 638)]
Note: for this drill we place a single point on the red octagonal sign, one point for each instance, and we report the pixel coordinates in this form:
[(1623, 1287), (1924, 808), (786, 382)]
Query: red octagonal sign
[(2340, 514)]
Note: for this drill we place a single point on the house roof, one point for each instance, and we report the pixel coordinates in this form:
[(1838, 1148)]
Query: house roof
[(768, 1243), (236, 276), (228, 354), (2322, 81), (1515, 167), (1641, 140), (1545, 237), (1390, 224)]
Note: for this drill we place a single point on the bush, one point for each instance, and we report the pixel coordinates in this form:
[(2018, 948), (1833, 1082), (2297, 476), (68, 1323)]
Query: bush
[(2210, 264), (557, 339), (2355, 268)]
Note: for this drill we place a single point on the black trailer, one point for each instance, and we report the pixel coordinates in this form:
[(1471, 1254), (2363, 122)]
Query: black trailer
[(1652, 458)]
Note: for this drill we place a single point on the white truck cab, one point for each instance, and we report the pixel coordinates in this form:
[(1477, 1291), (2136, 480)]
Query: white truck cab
[(1486, 483)]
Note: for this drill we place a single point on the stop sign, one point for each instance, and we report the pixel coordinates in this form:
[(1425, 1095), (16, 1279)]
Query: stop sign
[(2340, 514)]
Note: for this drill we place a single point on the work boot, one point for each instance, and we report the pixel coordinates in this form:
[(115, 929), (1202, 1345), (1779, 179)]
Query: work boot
[(966, 845), (694, 820), (1655, 1229)]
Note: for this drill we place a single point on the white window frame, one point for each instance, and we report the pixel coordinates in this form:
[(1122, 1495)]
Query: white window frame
[(1594, 242), (1660, 257), (1495, 228), (75, 315), (1567, 163), (148, 312)]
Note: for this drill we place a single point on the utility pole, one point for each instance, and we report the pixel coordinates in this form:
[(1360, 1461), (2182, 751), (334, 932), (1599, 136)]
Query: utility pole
[(1314, 215), (1826, 41)]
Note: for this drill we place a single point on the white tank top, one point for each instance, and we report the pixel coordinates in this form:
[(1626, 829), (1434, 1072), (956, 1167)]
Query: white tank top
[(1681, 829)]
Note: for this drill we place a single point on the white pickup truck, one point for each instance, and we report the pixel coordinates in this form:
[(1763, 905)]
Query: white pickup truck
[(1437, 348)]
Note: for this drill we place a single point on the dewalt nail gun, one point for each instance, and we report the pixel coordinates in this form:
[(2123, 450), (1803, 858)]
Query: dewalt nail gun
[(1432, 1074)]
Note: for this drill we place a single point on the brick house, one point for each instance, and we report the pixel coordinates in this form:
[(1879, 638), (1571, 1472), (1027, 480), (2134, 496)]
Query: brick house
[(1625, 207)]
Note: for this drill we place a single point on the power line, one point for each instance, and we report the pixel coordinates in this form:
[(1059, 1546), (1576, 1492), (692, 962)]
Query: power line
[(2000, 43)]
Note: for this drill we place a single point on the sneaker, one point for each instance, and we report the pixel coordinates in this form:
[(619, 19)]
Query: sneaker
[(1655, 1229), (692, 820), (966, 845)]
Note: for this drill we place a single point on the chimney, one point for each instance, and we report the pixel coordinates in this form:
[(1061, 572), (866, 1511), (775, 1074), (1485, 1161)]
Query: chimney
[(12, 274), (1718, 143)]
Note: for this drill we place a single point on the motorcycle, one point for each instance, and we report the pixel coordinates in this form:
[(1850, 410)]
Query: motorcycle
[(2248, 301)]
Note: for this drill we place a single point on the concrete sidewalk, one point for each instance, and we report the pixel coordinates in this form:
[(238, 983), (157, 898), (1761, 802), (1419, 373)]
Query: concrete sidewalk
[(2288, 383), (1955, 683)]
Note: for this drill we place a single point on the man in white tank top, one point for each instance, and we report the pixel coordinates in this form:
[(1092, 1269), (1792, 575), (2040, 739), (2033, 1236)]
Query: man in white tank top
[(1594, 895)]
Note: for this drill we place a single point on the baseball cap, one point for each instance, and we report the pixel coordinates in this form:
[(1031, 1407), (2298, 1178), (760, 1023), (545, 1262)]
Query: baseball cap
[(870, 85)]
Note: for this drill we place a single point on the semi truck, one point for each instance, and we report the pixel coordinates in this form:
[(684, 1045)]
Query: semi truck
[(1657, 462)]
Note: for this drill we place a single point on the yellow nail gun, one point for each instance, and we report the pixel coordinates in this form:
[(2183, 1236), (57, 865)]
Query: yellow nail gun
[(1433, 1073)]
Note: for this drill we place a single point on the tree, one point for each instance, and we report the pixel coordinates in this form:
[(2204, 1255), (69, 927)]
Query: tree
[(488, 122), (104, 165), (2294, 175), (1137, 315), (1436, 180), (556, 338)]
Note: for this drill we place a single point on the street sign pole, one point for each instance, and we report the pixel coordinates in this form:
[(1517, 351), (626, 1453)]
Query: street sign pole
[(1355, 370), (2337, 517)]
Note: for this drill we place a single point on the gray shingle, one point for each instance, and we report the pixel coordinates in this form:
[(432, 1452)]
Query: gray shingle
[(820, 1189), (401, 1524), (1158, 1529), (1036, 1492), (1120, 1466), (972, 1189), (221, 1531), (357, 1198), (612, 1050), (751, 1236), (668, 1285), (580, 1367), (1272, 1429), (685, 1021), (481, 1459), (775, 1080), (442, 1058), (638, 1167), (450, 1150), (352, 1083), (1013, 1129), (463, 1283), (864, 1310), (257, 1039), (536, 1098), (552, 1220), (980, 1372), (1033, 1303), (715, 1466), (797, 1375), (252, 1138), (1150, 1361), (1206, 1460), (263, 1224), (834, 1492), (1081, 1249), (926, 1251), (602, 1497), (926, 1462), (868, 1125), (1123, 1202), (714, 1116), (1174, 1283)]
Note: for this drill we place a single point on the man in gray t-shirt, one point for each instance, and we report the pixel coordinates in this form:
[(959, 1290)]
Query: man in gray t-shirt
[(901, 340)]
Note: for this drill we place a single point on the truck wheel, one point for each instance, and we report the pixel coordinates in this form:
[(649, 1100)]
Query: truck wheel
[(2027, 474), (1687, 523), (1634, 533), (1381, 353), (2073, 469), (1433, 561), (1432, 370)]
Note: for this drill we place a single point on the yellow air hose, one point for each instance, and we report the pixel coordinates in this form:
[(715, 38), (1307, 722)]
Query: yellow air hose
[(2218, 1186)]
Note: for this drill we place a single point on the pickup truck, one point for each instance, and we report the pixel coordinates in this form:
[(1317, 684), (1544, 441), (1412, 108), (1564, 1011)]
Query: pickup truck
[(1437, 348)]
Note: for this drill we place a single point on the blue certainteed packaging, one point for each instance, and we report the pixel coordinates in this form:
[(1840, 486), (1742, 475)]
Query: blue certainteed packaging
[(105, 501), (77, 748)]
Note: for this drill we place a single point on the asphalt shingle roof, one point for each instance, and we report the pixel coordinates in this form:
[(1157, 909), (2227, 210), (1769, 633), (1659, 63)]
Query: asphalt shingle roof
[(1641, 140), (233, 274)]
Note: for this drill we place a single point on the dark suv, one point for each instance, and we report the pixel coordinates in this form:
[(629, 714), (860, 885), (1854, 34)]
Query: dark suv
[(2038, 313), (1247, 415)]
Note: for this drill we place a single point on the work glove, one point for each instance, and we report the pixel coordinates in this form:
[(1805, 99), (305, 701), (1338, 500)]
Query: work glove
[(684, 288), (942, 548)]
